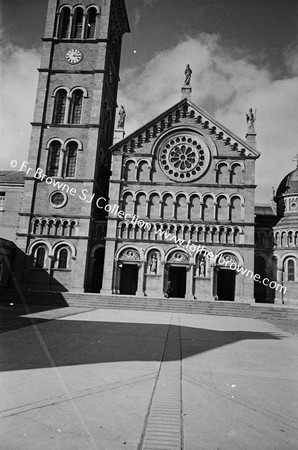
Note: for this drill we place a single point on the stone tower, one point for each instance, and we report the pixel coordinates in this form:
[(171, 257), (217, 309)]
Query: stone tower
[(60, 228)]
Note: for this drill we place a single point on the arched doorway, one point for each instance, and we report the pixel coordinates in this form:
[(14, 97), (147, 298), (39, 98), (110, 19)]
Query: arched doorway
[(129, 279), (225, 277), (177, 278), (226, 280), (177, 274), (128, 265)]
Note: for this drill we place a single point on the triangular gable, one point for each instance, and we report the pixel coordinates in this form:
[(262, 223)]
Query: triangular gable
[(184, 109)]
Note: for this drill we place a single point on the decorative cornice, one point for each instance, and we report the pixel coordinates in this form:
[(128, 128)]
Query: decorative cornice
[(49, 236), (192, 184), (195, 116), (56, 216), (54, 71), (74, 41), (63, 125)]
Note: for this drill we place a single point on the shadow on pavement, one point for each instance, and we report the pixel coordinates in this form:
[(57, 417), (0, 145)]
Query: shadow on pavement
[(74, 342), (12, 315)]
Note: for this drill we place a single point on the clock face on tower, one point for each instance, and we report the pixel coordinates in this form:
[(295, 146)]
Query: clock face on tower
[(73, 56)]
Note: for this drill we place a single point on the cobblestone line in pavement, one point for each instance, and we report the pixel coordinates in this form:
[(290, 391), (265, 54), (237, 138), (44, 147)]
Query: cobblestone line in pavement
[(163, 428)]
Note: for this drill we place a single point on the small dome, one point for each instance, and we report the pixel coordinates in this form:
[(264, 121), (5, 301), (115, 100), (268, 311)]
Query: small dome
[(289, 184)]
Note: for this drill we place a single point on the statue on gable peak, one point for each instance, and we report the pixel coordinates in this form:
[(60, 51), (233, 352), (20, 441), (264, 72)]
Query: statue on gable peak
[(250, 119), (187, 73)]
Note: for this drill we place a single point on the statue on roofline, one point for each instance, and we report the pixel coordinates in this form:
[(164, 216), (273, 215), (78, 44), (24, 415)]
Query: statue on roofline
[(250, 119), (122, 115), (187, 73)]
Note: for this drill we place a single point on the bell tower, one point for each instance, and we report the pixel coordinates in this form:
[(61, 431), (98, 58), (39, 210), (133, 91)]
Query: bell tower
[(68, 166)]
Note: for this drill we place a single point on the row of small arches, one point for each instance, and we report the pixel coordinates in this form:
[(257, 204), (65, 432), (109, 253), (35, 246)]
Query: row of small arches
[(53, 227), (287, 238), (184, 207), (143, 170), (173, 232), (77, 22)]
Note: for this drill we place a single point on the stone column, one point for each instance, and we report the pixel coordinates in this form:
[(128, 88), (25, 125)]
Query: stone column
[(189, 282), (140, 290), (279, 300), (213, 269), (83, 33), (162, 269), (67, 109), (70, 26), (107, 284)]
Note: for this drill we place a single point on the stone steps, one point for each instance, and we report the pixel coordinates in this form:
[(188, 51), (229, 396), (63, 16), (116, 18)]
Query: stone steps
[(98, 301)]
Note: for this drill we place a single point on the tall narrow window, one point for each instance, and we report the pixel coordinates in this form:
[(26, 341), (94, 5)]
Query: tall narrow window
[(54, 159), (76, 106), (40, 257), (2, 200), (64, 23), (62, 258), (290, 270), (91, 23), (59, 106), (77, 23), (71, 159)]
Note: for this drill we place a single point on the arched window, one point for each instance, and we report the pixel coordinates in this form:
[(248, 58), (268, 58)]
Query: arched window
[(72, 228), (62, 258), (76, 106), (54, 159), (78, 23), (43, 226), (290, 270), (91, 23), (35, 227), (71, 159), (59, 106), (39, 258), (64, 23)]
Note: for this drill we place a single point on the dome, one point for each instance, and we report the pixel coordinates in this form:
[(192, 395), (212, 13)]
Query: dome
[(289, 184)]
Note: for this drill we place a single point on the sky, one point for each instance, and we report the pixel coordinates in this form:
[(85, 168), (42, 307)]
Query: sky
[(243, 53)]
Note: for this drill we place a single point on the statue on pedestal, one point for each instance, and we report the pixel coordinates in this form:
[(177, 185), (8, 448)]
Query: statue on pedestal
[(202, 267), (187, 73), (122, 115), (153, 264), (250, 120)]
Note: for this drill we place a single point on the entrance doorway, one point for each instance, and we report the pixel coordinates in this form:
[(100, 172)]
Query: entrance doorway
[(226, 284), (129, 279), (177, 277)]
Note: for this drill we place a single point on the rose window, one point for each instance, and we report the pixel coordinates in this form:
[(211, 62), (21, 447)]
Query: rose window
[(184, 157)]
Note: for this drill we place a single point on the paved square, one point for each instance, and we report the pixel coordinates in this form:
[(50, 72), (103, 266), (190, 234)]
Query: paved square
[(104, 379)]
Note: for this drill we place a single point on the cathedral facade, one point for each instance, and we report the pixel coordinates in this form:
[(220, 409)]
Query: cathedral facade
[(190, 181), (168, 211)]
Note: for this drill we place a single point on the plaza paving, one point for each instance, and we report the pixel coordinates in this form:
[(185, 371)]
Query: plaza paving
[(103, 379)]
